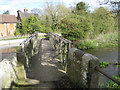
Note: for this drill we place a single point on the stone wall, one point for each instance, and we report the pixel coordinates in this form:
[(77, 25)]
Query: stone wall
[(61, 46), (81, 68), (10, 71), (14, 67)]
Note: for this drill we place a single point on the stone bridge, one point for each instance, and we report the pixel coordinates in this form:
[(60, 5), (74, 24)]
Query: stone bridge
[(48, 63)]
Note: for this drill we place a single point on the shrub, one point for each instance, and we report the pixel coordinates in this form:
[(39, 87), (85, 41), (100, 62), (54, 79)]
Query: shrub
[(17, 32), (103, 64), (76, 27), (112, 84), (85, 44)]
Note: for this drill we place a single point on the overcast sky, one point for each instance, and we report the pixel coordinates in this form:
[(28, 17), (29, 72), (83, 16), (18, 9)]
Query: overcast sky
[(14, 5)]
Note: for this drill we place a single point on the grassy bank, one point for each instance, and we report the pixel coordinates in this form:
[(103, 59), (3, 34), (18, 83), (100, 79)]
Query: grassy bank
[(13, 38), (102, 40)]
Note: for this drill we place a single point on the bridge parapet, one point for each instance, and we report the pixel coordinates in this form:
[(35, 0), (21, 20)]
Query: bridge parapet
[(27, 49), (79, 66), (12, 68), (61, 46)]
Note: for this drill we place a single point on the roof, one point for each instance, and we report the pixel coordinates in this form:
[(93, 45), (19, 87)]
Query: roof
[(6, 18), (26, 15)]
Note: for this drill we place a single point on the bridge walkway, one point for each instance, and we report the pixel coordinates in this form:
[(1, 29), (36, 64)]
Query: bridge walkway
[(46, 68)]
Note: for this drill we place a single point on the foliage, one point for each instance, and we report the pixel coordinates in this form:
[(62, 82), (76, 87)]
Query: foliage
[(81, 8), (85, 44), (87, 30), (112, 84), (54, 14), (17, 32), (103, 21), (102, 40), (81, 25), (31, 25), (104, 64), (6, 12), (118, 65), (76, 27)]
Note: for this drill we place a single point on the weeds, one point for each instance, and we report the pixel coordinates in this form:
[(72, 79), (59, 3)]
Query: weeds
[(104, 64)]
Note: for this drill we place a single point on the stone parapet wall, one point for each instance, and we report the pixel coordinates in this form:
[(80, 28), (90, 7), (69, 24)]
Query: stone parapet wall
[(27, 50), (14, 67), (10, 71), (81, 68), (61, 46)]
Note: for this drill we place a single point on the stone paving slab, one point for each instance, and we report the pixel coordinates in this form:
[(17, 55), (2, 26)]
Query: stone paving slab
[(45, 67)]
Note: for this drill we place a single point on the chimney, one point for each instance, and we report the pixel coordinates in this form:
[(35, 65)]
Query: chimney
[(25, 10), (18, 11)]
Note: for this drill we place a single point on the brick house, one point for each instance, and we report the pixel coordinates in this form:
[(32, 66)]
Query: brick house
[(7, 25)]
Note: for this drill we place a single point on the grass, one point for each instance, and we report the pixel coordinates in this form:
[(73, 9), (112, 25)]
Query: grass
[(13, 38), (20, 38), (58, 32), (118, 65), (102, 40), (111, 37), (41, 37)]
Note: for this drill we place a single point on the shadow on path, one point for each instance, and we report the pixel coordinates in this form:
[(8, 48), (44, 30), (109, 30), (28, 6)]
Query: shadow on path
[(45, 67)]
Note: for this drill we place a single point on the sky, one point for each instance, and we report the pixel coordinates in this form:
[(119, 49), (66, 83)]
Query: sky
[(14, 5)]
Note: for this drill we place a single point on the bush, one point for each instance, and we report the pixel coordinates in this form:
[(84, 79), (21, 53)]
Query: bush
[(31, 25), (73, 35), (103, 64), (112, 84), (17, 32), (85, 44), (76, 27)]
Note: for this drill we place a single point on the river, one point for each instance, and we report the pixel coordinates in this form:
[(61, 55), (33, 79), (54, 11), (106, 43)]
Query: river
[(110, 55), (7, 51)]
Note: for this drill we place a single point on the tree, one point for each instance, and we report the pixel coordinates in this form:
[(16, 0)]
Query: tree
[(31, 25), (76, 27), (55, 13), (103, 21), (81, 8), (36, 10), (115, 4), (6, 12)]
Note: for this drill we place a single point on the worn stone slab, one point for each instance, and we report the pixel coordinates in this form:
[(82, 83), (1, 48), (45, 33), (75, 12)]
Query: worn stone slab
[(45, 67)]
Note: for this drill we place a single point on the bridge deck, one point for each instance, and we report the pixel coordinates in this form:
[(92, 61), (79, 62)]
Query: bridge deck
[(46, 67)]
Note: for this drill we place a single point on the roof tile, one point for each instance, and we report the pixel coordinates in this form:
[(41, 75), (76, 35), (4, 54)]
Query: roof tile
[(5, 18)]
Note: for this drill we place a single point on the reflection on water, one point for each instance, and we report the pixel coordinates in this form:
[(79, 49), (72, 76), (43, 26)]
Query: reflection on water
[(105, 54), (5, 52), (110, 55)]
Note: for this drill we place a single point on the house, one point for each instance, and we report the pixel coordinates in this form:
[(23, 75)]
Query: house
[(7, 25), (25, 14)]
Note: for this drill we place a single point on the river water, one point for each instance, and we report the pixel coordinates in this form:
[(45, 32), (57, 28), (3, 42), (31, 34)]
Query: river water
[(110, 55), (6, 52)]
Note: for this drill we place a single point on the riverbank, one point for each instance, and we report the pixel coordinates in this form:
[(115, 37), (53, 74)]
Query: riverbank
[(110, 55), (101, 41)]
